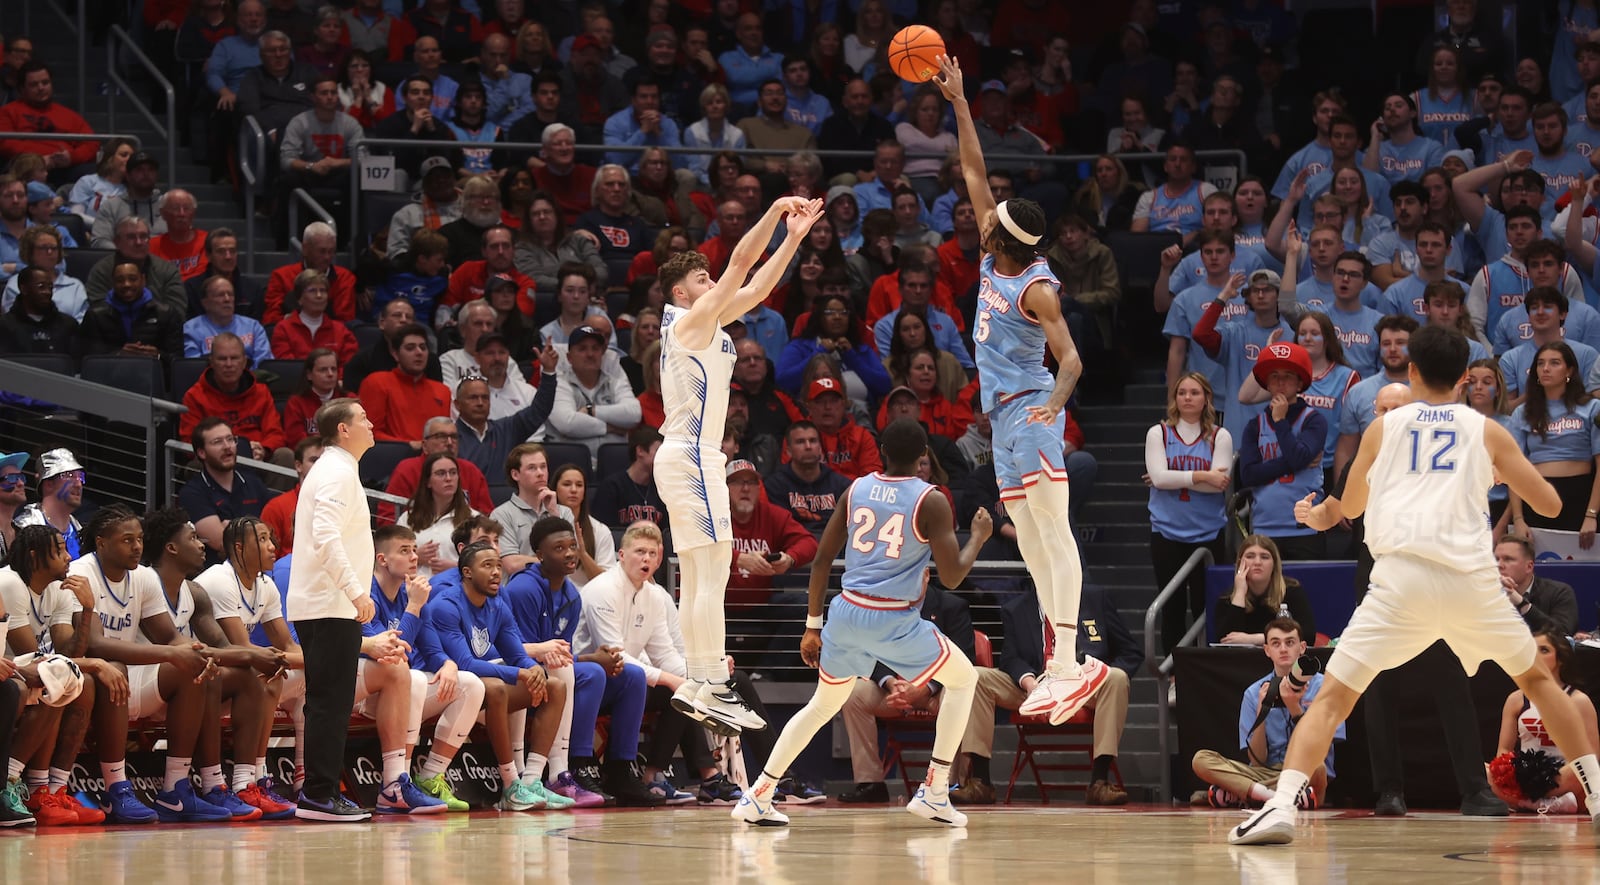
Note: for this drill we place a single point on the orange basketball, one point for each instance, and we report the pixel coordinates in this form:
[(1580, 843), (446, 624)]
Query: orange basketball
[(914, 53)]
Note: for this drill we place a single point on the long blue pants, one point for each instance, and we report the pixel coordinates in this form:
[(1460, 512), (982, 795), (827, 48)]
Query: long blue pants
[(623, 695)]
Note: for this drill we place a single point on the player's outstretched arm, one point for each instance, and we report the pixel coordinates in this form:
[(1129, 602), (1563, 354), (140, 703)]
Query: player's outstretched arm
[(973, 168), (1354, 502), (1042, 300), (754, 242), (1518, 473), (772, 270), (938, 524)]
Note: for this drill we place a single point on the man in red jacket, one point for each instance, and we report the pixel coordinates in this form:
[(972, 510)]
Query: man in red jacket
[(767, 541), (847, 447), (439, 436), (958, 256), (229, 391), (36, 110), (401, 401), (318, 245), (470, 281)]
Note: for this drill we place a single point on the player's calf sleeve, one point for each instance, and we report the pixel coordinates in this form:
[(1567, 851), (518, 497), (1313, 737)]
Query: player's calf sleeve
[(419, 698), (560, 749), (455, 723), (812, 718), (1032, 550), (1048, 503), (960, 681)]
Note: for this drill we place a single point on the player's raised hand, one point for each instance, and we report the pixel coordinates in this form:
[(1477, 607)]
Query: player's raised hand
[(1302, 509), (949, 78), (982, 524), (800, 222)]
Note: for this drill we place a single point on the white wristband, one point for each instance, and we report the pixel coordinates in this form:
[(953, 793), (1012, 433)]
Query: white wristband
[(814, 622)]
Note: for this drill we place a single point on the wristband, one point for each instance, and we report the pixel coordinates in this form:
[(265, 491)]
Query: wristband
[(1591, 513), (813, 622)]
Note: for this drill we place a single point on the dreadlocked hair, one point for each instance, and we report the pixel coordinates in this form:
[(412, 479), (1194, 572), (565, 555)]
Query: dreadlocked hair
[(239, 530), (104, 520), (32, 546)]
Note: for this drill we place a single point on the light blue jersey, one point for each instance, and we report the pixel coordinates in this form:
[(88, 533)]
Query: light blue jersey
[(1191, 271), (1358, 334), (1242, 343), (1322, 182), (1561, 174), (1407, 162), (1382, 249), (1315, 157), (1497, 145), (1404, 298), (1181, 212), (1574, 23), (1439, 115), (1516, 362), (1009, 342), (1582, 326), (1582, 138), (1181, 319), (1326, 394), (887, 554), (1361, 404), (1570, 434), (1317, 295), (1189, 516), (1273, 511)]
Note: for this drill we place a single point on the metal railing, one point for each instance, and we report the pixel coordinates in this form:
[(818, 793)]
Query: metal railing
[(170, 132), (298, 197), (1160, 668), (178, 472), (250, 132), (79, 27), (68, 136)]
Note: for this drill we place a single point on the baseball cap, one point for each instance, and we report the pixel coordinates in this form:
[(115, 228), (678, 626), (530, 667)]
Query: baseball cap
[(583, 333), (491, 338), (141, 158), (1463, 155), (39, 191), (899, 390), (17, 460), (584, 41), (499, 281), (433, 163), (824, 385), (837, 191), (992, 86), (56, 462), (1281, 356), (1267, 278), (740, 466)]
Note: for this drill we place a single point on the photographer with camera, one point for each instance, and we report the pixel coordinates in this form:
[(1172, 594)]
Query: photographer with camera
[(1272, 706)]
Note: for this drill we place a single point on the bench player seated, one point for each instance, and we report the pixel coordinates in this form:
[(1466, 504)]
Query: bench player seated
[(474, 628), (168, 675), (450, 693), (50, 614), (249, 609), (471, 531), (548, 608), (173, 549)]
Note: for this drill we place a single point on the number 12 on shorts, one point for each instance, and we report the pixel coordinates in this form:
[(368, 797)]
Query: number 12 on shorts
[(1439, 444)]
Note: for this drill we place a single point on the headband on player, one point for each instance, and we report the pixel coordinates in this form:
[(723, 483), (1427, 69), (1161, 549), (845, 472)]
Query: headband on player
[(1015, 229)]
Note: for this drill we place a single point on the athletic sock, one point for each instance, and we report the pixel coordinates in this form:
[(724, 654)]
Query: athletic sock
[(1262, 793), (211, 778), (394, 765), (765, 785), (14, 768), (177, 770), (979, 766), (1066, 650), (114, 772), (533, 768), (508, 775), (1101, 768), (34, 778), (243, 776), (1588, 771), (938, 776), (433, 766), (1290, 783), (59, 777)]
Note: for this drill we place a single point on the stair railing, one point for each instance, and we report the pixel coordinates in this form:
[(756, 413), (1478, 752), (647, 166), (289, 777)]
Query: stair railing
[(168, 132), (1161, 668)]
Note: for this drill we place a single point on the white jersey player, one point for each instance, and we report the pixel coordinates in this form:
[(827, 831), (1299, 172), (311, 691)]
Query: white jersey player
[(1427, 468), (696, 373)]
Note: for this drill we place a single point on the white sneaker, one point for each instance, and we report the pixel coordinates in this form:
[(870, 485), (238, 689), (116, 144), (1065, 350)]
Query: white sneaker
[(759, 810), (1269, 826), (1566, 803), (1041, 700), (936, 807), (1072, 687), (722, 705)]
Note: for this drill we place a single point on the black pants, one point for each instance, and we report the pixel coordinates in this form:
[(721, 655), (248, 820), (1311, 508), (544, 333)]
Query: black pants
[(1302, 547), (674, 730), (10, 705), (1168, 556), (332, 649)]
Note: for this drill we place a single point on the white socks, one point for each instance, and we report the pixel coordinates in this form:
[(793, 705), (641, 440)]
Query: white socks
[(1290, 783), (113, 772), (533, 768), (394, 765), (243, 776), (433, 766), (177, 770), (211, 778)]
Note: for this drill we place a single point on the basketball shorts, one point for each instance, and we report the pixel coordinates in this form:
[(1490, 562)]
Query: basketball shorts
[(144, 693), (693, 483), (1412, 603), (1026, 453), (366, 703), (856, 638)]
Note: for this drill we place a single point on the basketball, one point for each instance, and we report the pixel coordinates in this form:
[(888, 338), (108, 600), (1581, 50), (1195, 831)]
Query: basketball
[(914, 53)]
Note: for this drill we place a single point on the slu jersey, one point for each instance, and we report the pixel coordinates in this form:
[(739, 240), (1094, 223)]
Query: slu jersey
[(257, 604), (1429, 484), (1179, 212), (541, 613), (1570, 434), (1439, 115), (1242, 343), (123, 604), (694, 385), (391, 614), (1009, 342), (1326, 394), (886, 555), (55, 606), (1407, 162), (1188, 516), (1273, 511), (181, 612)]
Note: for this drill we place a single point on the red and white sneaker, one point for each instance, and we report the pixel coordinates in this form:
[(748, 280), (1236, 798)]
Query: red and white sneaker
[(47, 809), (271, 807), (1064, 689), (86, 815), (1307, 800)]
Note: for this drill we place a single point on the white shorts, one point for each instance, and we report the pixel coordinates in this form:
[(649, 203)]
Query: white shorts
[(294, 687), (366, 703), (1413, 603), (693, 483), (144, 693)]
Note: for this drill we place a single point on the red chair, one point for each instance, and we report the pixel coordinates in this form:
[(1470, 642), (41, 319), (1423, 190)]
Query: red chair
[(912, 732), (1036, 736)]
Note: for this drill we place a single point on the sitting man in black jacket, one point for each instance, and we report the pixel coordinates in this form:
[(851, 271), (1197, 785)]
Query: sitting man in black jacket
[(34, 324), (132, 320), (1022, 654)]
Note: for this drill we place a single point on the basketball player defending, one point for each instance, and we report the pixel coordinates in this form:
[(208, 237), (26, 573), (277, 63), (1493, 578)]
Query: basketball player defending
[(1019, 315), (1428, 466), (696, 373), (895, 523)]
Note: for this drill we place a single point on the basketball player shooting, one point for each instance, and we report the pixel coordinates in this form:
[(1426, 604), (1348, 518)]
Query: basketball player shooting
[(696, 374), (1019, 315), (1422, 475)]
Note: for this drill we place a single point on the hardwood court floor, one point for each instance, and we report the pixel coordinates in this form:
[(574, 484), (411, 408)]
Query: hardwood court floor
[(822, 846)]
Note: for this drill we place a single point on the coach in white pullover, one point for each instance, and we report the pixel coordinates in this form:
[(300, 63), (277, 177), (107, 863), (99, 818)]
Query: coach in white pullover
[(328, 601)]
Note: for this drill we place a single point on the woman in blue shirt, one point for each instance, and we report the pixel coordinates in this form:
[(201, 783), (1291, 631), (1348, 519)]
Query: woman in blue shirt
[(1556, 428), (1485, 391)]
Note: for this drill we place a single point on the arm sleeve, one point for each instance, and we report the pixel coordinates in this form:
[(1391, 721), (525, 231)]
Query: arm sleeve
[(446, 623), (792, 362), (1560, 607), (214, 66), (1155, 462), (796, 541), (1142, 208), (1205, 331), (508, 641), (1250, 462), (566, 420)]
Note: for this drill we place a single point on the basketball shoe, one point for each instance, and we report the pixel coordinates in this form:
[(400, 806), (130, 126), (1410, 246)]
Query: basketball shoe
[(439, 788), (222, 797), (718, 707), (1269, 826), (929, 804), (403, 797), (1064, 689), (272, 808), (180, 805), (760, 810), (124, 807)]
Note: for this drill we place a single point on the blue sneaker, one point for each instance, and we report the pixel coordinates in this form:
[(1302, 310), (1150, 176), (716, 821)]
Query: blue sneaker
[(791, 791), (180, 805), (403, 797), (238, 809), (123, 807), (670, 794)]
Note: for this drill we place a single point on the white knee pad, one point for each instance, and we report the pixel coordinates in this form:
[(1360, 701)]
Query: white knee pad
[(458, 716)]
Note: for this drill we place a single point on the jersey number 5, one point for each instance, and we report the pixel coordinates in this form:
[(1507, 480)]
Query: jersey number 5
[(891, 535), (981, 330), (1441, 442)]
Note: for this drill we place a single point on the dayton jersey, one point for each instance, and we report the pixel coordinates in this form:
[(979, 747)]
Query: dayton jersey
[(1010, 344), (39, 613), (1430, 487), (122, 605), (694, 385), (886, 554)]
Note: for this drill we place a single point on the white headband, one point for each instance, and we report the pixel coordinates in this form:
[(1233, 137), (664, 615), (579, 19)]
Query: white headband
[(1015, 229)]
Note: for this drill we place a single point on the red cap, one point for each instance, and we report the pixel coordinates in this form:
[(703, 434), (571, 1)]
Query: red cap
[(823, 385), (584, 41), (1283, 356)]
